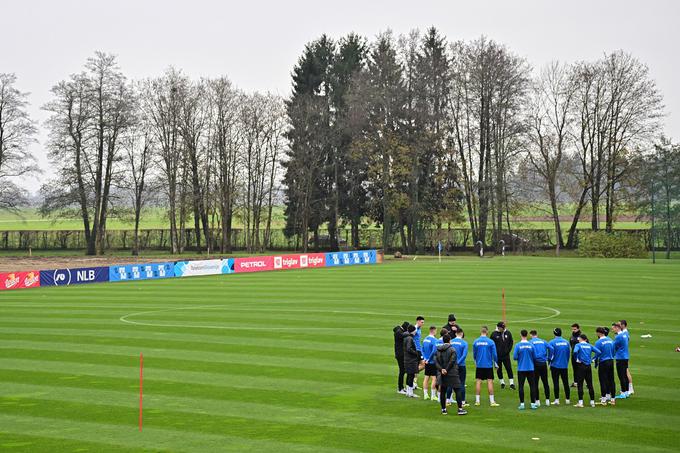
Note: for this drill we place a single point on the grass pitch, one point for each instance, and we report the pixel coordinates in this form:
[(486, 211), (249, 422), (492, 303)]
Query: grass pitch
[(303, 360)]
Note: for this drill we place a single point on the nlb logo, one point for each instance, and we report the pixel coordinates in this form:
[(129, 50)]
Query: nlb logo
[(62, 277)]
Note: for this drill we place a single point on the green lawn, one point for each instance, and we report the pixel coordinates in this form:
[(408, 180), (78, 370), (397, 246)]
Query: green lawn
[(303, 360)]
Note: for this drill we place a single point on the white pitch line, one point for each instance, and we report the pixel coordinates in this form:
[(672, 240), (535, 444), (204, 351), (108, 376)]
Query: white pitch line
[(125, 319)]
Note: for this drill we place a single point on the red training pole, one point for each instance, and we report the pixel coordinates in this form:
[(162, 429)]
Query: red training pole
[(503, 304), (141, 382)]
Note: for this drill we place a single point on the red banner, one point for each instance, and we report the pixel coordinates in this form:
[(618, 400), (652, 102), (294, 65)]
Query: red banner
[(19, 280), (299, 261), (254, 264)]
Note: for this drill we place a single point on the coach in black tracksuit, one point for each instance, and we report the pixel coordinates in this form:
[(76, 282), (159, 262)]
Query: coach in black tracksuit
[(503, 339), (573, 341), (399, 332), (451, 327)]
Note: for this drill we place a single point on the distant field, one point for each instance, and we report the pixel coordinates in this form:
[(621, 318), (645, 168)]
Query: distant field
[(303, 361), (30, 219)]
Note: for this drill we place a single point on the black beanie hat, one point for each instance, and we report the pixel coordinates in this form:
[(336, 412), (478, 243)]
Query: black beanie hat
[(405, 325), (452, 317)]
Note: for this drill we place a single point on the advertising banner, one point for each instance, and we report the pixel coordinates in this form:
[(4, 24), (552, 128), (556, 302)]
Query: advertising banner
[(19, 280), (65, 277), (302, 261), (141, 271), (351, 258), (203, 267), (254, 264)]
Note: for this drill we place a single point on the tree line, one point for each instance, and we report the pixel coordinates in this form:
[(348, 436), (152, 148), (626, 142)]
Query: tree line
[(410, 132), (415, 132)]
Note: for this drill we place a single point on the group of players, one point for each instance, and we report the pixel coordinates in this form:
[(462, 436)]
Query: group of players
[(443, 359)]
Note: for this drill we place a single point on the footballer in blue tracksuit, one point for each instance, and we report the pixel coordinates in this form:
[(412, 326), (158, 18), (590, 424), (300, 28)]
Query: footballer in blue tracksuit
[(621, 355), (485, 356), (604, 361), (525, 355), (417, 340), (624, 329), (542, 352), (583, 353), (461, 347), (429, 349), (559, 355)]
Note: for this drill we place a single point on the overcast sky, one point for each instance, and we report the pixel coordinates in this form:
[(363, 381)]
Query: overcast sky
[(256, 43)]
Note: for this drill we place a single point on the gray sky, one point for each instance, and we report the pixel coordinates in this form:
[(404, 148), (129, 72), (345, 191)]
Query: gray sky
[(257, 43)]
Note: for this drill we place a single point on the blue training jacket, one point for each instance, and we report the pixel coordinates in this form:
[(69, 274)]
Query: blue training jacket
[(559, 353), (583, 352), (525, 355), (606, 347), (484, 352), (416, 340), (429, 348), (541, 348), (461, 348), (621, 347)]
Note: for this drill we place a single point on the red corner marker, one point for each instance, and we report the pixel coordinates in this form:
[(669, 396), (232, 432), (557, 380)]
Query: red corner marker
[(141, 382)]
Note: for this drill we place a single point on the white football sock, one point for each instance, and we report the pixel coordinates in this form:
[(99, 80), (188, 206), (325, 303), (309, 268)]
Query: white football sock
[(476, 398), (492, 399), (512, 382)]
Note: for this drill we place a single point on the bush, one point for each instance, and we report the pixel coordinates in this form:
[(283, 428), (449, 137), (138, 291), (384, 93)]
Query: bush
[(620, 244)]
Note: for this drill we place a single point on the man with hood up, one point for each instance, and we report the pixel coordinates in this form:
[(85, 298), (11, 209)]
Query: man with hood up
[(411, 360), (399, 333), (447, 367)]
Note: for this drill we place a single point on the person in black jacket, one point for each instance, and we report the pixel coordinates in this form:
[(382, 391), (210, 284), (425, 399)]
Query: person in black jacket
[(447, 367), (573, 341), (503, 339), (451, 325), (399, 332), (411, 360)]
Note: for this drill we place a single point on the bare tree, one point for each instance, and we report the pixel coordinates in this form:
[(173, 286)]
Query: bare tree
[(17, 132)]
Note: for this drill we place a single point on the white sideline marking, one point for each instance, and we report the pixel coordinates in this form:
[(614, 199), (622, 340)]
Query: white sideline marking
[(125, 319)]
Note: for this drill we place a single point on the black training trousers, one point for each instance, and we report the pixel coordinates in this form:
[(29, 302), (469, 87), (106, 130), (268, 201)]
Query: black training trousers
[(533, 387), (541, 370), (621, 368), (507, 363), (562, 373), (584, 373), (444, 389), (574, 366), (402, 373), (409, 379), (605, 373)]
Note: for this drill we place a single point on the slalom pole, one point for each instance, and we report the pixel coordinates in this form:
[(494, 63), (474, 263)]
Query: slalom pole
[(141, 382), (504, 305)]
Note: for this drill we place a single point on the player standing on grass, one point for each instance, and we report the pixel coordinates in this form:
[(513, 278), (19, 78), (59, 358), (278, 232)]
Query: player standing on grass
[(411, 361), (524, 354), (604, 362), (624, 329), (503, 339), (485, 356), (573, 341), (447, 366), (583, 353), (559, 353), (399, 333), (461, 347), (541, 352), (429, 349), (417, 339), (621, 356)]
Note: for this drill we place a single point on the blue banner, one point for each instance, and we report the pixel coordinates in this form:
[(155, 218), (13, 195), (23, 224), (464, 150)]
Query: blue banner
[(351, 258), (141, 271), (65, 277)]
